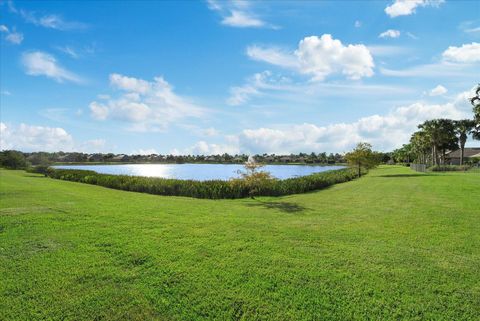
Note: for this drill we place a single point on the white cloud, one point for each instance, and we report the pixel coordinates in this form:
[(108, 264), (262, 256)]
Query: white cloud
[(282, 91), (146, 106), (35, 138), (390, 33), (39, 63), (92, 146), (210, 132), (438, 91), (148, 151), (358, 24), (412, 36), (99, 111), (15, 37), (129, 83), (204, 148), (408, 7), (30, 138), (467, 53), (51, 21), (320, 57), (273, 55), (254, 86), (12, 36), (472, 30), (241, 19), (69, 51), (384, 132), (237, 14), (441, 69)]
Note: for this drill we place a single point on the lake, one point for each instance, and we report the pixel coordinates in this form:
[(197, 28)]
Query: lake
[(200, 172)]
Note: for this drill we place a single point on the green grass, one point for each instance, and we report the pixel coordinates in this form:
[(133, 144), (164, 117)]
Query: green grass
[(394, 245)]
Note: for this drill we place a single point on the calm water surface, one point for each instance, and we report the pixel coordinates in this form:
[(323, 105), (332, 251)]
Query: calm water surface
[(200, 172)]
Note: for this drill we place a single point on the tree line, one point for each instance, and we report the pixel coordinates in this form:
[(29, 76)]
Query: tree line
[(430, 144), (17, 160)]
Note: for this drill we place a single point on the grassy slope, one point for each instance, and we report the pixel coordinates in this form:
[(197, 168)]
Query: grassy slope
[(392, 245)]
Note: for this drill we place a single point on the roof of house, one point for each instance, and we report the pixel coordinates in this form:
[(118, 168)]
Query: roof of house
[(468, 152)]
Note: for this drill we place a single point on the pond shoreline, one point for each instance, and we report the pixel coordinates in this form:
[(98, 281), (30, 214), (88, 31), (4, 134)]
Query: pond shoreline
[(199, 172)]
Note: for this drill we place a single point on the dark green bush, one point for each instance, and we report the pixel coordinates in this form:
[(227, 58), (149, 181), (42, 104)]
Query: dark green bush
[(213, 189), (13, 159)]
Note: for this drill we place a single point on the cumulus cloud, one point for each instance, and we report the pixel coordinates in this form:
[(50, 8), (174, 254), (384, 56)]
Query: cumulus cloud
[(11, 36), (145, 105), (385, 132), (204, 148), (390, 33), (39, 63), (237, 14), (438, 91), (30, 138), (320, 57), (148, 151), (467, 53), (35, 138), (408, 7)]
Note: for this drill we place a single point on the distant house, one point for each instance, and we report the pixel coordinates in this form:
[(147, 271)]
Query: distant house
[(95, 158), (453, 157), (121, 158)]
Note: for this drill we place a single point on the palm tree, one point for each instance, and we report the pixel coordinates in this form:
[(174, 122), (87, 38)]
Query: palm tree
[(448, 140), (463, 128), (432, 130), (475, 101), (420, 146)]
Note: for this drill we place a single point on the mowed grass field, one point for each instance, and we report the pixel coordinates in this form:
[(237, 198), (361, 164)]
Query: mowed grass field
[(394, 245)]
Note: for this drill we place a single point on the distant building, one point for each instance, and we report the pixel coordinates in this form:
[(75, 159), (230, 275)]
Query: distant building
[(453, 157), (121, 158)]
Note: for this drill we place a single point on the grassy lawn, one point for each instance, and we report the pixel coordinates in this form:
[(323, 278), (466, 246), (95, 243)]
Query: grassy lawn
[(394, 245)]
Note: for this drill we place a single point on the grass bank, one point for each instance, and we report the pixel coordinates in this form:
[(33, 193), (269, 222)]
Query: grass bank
[(393, 245)]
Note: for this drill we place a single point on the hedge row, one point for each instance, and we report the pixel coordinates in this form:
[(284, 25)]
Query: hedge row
[(213, 189)]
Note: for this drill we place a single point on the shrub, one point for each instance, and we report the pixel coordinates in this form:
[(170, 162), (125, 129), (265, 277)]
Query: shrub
[(213, 189), (13, 159), (40, 169)]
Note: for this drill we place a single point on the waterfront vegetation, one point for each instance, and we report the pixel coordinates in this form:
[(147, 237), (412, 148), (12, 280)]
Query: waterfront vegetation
[(237, 188), (392, 245)]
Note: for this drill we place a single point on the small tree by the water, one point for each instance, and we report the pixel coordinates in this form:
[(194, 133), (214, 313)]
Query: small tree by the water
[(363, 157), (253, 177)]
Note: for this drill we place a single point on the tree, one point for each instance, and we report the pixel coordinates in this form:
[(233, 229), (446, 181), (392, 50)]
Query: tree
[(420, 146), (363, 157), (463, 128), (448, 138), (13, 159), (253, 178), (403, 154), (475, 101), (441, 135)]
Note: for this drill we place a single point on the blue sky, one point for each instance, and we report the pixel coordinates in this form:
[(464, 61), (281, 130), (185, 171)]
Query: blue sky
[(208, 77)]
